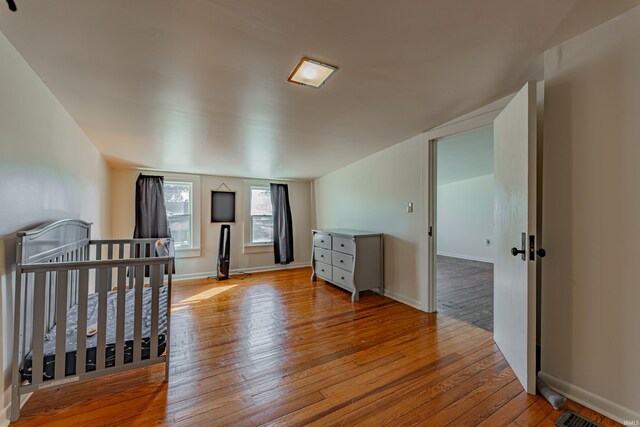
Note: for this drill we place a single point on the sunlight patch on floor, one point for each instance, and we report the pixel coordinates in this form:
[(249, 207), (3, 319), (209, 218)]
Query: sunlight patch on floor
[(208, 294)]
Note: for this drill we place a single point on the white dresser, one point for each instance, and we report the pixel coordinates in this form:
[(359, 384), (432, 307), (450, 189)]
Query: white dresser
[(350, 259)]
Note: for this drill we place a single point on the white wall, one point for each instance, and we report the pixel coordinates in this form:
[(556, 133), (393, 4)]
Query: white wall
[(371, 195), (591, 228), (48, 170), (465, 218), (123, 221)]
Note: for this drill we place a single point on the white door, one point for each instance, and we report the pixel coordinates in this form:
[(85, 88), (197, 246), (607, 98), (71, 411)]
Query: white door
[(515, 222)]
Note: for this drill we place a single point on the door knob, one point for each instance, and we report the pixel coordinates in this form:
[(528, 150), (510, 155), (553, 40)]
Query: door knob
[(541, 252), (522, 252), (516, 251)]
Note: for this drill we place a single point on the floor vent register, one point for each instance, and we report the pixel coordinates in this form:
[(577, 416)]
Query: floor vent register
[(571, 419)]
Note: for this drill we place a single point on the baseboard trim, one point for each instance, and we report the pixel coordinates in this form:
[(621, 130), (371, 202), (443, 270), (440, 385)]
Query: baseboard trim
[(5, 416), (590, 400), (275, 267), (470, 258), (401, 298)]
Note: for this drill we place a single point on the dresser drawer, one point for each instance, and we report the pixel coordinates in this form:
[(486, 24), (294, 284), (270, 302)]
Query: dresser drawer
[(322, 255), (346, 246), (323, 270), (342, 277), (344, 261), (322, 241)]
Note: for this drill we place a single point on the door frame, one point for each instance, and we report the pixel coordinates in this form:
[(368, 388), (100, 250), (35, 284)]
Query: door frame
[(432, 212), (477, 119)]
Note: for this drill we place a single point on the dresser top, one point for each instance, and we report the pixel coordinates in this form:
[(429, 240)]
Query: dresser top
[(346, 232)]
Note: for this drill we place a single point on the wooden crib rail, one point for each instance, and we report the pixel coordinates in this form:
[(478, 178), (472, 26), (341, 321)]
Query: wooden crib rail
[(123, 248), (101, 271), (75, 265)]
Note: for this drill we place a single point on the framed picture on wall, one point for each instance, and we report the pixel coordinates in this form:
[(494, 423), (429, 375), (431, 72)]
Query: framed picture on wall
[(223, 206)]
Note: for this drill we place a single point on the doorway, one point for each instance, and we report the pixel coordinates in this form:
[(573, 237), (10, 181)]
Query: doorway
[(516, 250), (465, 227)]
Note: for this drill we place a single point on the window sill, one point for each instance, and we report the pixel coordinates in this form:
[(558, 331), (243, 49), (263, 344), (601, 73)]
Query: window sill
[(254, 248), (187, 253)]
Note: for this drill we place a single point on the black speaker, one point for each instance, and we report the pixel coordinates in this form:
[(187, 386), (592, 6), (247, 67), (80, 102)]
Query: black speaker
[(224, 252)]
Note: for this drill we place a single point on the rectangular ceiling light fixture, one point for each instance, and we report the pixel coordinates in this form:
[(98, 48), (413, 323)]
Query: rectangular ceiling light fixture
[(310, 72)]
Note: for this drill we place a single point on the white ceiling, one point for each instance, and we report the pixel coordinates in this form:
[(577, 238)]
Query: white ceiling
[(200, 86), (465, 156)]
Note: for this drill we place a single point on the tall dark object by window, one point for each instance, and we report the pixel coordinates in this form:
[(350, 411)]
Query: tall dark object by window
[(151, 212), (282, 224)]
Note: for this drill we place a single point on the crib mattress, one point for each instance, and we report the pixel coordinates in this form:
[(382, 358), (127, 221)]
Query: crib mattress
[(110, 348)]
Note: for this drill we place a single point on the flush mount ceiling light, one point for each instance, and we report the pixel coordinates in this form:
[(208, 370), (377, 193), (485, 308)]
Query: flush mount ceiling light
[(310, 72)]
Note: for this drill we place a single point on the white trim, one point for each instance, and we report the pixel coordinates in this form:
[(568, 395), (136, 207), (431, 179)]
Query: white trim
[(479, 118), (431, 185), (476, 119), (4, 419), (195, 204), (247, 185), (192, 276), (274, 267), (424, 240), (5, 415), (187, 253), (590, 400), (207, 274), (470, 258), (404, 300), (257, 248)]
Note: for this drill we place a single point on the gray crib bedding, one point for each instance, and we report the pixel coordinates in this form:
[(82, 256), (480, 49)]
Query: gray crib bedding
[(92, 317)]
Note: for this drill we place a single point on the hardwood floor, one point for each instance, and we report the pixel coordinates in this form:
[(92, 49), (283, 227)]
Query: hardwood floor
[(274, 349), (465, 290)]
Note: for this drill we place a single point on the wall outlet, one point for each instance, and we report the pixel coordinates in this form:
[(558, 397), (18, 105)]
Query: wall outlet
[(409, 207)]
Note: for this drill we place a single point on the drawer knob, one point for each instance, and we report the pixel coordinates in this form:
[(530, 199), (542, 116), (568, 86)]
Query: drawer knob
[(342, 261), (342, 278), (321, 256), (342, 245), (321, 241)]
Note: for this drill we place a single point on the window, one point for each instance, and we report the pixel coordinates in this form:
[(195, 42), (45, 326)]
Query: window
[(261, 227), (182, 198), (179, 201)]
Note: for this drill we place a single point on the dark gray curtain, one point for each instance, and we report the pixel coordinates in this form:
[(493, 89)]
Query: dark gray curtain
[(151, 213), (282, 224)]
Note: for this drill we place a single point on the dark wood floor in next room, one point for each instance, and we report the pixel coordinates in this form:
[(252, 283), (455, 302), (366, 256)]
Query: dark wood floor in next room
[(276, 349), (465, 290)]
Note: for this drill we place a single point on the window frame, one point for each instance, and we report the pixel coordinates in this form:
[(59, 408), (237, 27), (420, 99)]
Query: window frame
[(188, 214), (195, 213), (251, 217), (249, 245)]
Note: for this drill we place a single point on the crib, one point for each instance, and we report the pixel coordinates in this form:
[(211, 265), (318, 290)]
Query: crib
[(87, 308)]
